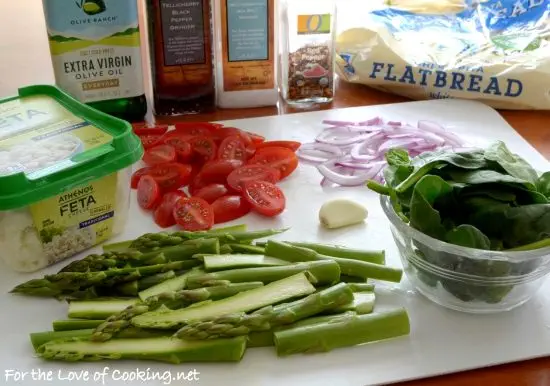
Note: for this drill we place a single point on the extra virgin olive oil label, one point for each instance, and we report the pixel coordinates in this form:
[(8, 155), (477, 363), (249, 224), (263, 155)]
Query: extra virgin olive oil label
[(95, 47), (247, 41), (77, 219)]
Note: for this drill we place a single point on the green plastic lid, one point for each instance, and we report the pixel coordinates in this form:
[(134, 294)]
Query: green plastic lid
[(50, 143)]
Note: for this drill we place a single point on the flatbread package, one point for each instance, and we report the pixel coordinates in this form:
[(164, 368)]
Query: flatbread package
[(495, 51)]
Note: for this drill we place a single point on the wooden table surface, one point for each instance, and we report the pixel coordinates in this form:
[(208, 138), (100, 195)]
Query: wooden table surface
[(534, 126)]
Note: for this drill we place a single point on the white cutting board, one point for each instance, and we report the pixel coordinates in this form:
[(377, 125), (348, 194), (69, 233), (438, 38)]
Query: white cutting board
[(441, 341)]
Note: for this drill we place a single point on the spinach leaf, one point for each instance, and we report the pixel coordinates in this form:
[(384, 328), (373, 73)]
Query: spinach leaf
[(426, 162), (423, 216), (526, 224), (511, 163), (492, 192), (543, 184), (398, 157), (468, 236), (476, 177)]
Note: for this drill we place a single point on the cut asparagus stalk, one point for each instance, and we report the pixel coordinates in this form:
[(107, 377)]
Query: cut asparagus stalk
[(99, 308), (176, 284), (109, 260), (75, 324), (273, 293), (324, 272), (225, 249), (225, 262), (369, 256), (162, 349), (361, 287), (362, 303), (133, 288), (247, 249), (266, 319), (40, 338), (65, 283), (186, 249), (353, 330), (347, 266), (265, 338), (352, 279), (170, 300), (120, 246)]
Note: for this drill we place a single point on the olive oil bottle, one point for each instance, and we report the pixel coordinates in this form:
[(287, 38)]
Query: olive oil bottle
[(96, 54)]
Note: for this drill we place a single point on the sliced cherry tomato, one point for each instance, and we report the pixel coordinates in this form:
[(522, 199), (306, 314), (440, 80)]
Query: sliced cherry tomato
[(279, 158), (169, 176), (183, 148), (148, 192), (252, 173), (225, 132), (150, 136), (136, 176), (232, 147), (292, 145), (196, 129), (159, 154), (194, 214), (204, 148), (265, 198), (149, 140), (229, 208), (164, 213), (196, 184), (250, 151), (212, 192), (256, 138), (216, 172)]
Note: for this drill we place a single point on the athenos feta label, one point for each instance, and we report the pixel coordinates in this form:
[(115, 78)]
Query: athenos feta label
[(77, 219), (95, 46)]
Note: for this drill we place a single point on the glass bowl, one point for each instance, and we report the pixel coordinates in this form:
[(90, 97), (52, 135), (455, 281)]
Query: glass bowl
[(467, 279)]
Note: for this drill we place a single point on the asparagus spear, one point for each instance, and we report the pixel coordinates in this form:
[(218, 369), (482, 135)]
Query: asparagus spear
[(362, 303), (110, 260), (75, 324), (40, 338), (172, 285), (266, 319), (151, 241), (134, 287), (66, 283), (98, 309), (187, 249), (225, 249), (361, 287), (248, 249), (348, 267), (369, 256), (265, 338), (225, 262), (353, 330), (273, 293), (164, 349), (324, 272), (172, 300)]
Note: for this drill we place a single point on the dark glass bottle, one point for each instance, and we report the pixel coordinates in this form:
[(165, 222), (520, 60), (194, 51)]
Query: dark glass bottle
[(181, 56)]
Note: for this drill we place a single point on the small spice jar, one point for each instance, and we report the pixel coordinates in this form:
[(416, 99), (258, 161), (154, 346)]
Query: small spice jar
[(307, 51)]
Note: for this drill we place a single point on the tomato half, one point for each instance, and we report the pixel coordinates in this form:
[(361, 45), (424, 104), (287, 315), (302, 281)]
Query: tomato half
[(279, 158), (164, 213), (136, 176), (265, 198), (195, 129), (193, 214), (182, 146), (159, 154), (252, 173), (229, 208), (150, 136), (256, 138), (148, 192), (212, 192), (225, 132), (216, 172), (204, 148), (292, 145), (170, 176), (232, 147)]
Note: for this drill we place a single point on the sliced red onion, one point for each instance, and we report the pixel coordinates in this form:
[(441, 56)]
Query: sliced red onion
[(350, 153)]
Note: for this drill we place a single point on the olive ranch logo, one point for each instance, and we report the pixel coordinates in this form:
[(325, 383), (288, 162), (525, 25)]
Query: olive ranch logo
[(91, 7)]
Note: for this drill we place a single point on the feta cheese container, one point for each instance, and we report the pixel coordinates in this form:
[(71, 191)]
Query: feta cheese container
[(65, 173)]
